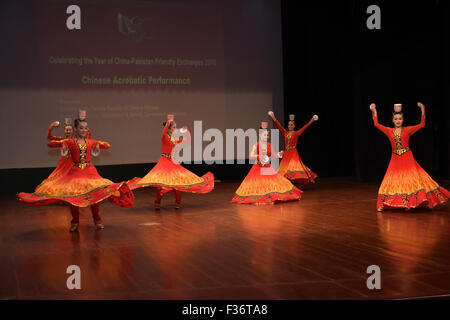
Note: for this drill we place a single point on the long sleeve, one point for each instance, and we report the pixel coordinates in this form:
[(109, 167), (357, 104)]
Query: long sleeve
[(278, 124), (55, 143), (165, 140), (102, 144), (414, 129), (300, 131), (380, 127), (166, 128), (52, 137)]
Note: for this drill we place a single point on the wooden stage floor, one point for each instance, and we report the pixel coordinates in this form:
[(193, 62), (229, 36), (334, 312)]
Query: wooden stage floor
[(316, 248)]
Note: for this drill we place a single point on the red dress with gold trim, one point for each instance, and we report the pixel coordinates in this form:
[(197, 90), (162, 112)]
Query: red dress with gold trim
[(65, 162), (263, 185), (406, 184), (81, 186), (291, 166), (170, 175)]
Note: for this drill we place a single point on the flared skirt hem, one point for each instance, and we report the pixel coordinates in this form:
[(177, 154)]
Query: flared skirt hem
[(118, 193), (269, 198), (205, 186), (420, 198), (301, 177)]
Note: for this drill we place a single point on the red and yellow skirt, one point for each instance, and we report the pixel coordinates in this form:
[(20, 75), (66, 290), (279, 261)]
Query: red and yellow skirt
[(263, 185), (169, 175), (80, 188), (64, 166), (293, 168), (407, 185)]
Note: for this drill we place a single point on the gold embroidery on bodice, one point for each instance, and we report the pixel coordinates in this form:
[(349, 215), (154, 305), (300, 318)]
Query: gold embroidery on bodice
[(289, 137), (83, 152), (263, 159), (398, 143)]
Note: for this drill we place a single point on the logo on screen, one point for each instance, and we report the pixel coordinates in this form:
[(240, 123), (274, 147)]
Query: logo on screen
[(133, 28)]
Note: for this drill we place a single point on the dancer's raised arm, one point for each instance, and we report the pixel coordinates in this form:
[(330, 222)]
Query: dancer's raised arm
[(166, 127), (313, 119), (49, 132), (414, 129), (277, 123), (380, 127)]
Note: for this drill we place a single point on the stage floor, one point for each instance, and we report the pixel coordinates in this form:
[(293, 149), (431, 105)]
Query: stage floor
[(316, 248)]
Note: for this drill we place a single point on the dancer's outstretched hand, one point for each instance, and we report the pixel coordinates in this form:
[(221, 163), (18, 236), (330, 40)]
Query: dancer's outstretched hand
[(54, 124), (270, 113), (64, 149), (373, 107), (421, 106), (315, 117)]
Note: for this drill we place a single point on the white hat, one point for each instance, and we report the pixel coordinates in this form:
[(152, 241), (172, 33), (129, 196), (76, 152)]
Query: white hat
[(82, 114), (398, 107)]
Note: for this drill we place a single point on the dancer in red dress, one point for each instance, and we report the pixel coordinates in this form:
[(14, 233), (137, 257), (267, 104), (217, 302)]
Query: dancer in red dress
[(292, 167), (405, 184), (81, 186), (65, 163), (263, 185), (169, 175)]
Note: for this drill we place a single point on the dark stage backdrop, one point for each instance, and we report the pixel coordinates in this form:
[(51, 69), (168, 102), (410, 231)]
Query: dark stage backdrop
[(335, 66)]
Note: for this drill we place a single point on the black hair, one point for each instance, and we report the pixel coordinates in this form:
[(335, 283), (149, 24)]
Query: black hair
[(397, 113), (78, 121), (170, 125)]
